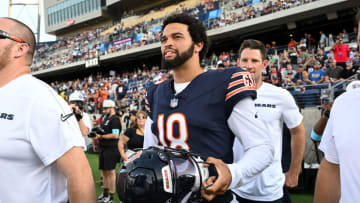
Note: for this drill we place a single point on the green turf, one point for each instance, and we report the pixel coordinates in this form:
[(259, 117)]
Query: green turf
[(93, 160)]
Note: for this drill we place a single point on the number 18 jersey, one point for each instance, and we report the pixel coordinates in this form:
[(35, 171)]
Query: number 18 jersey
[(196, 118)]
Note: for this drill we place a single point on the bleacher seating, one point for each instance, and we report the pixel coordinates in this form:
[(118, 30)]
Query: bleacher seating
[(133, 29)]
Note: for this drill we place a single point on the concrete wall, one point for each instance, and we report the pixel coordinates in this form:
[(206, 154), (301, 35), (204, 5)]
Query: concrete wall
[(311, 116)]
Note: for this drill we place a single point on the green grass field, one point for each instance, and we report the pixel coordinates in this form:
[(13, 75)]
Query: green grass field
[(93, 160)]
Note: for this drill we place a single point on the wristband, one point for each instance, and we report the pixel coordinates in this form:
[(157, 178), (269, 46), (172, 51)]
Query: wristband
[(326, 114), (78, 117)]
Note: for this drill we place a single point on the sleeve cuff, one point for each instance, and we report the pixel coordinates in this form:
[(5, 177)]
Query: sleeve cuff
[(331, 159), (235, 176)]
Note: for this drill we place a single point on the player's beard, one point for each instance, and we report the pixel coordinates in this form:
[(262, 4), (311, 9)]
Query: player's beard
[(5, 56), (179, 59)]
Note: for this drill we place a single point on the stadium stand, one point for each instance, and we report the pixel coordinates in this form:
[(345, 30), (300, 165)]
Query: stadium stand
[(135, 31)]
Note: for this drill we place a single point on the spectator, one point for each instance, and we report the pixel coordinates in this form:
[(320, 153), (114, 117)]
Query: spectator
[(302, 76), (292, 43), (129, 119), (103, 92), (349, 70), (133, 136), (226, 62), (288, 75), (275, 76), (293, 56), (345, 36), (91, 106), (333, 73), (320, 56), (322, 41), (317, 76), (341, 52), (121, 91), (303, 54)]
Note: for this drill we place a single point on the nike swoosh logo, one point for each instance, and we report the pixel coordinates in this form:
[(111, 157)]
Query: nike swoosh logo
[(65, 117)]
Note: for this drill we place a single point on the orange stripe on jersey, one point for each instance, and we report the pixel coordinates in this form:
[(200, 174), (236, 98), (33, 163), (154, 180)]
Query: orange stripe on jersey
[(236, 82), (239, 74), (238, 90), (147, 108), (146, 101)]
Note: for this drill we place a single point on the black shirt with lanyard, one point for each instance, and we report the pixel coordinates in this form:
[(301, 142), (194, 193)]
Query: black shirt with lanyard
[(110, 125)]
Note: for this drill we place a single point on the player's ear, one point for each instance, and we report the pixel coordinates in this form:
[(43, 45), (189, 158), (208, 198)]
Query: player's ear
[(21, 49), (198, 46), (265, 63)]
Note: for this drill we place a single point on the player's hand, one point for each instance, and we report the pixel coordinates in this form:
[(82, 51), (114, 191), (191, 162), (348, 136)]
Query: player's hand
[(217, 186), (125, 158), (291, 179), (98, 136), (75, 109)]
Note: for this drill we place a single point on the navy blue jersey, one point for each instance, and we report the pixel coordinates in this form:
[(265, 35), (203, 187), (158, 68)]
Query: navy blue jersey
[(196, 118)]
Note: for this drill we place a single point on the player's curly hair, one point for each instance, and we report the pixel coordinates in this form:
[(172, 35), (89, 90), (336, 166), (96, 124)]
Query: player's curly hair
[(196, 29)]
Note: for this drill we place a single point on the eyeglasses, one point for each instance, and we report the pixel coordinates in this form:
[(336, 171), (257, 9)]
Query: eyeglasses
[(5, 35), (141, 117)]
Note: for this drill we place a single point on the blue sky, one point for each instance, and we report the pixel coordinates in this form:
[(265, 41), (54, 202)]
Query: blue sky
[(27, 15)]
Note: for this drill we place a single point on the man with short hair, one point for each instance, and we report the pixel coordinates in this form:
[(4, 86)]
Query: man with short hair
[(302, 76), (121, 91), (333, 73), (317, 76), (274, 106), (204, 112), (341, 52), (349, 70), (288, 75), (109, 155), (42, 154)]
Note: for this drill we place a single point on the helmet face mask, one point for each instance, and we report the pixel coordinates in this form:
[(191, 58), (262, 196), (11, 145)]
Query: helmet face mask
[(161, 174)]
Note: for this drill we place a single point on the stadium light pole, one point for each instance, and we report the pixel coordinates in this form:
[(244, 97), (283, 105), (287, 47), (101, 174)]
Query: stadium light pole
[(11, 4)]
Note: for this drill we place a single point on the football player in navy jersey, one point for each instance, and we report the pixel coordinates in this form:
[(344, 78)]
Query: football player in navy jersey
[(204, 111)]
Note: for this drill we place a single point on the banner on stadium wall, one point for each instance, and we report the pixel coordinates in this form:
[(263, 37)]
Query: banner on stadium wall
[(102, 48), (93, 62), (126, 41), (138, 37), (70, 22), (214, 14), (155, 29)]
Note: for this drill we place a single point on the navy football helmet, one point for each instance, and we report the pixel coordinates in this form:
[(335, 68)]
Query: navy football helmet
[(162, 174)]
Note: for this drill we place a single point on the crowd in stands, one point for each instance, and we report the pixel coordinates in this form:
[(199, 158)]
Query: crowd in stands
[(94, 43), (305, 62), (127, 89), (302, 64)]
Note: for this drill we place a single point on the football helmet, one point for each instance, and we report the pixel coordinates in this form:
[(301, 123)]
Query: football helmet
[(163, 175)]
